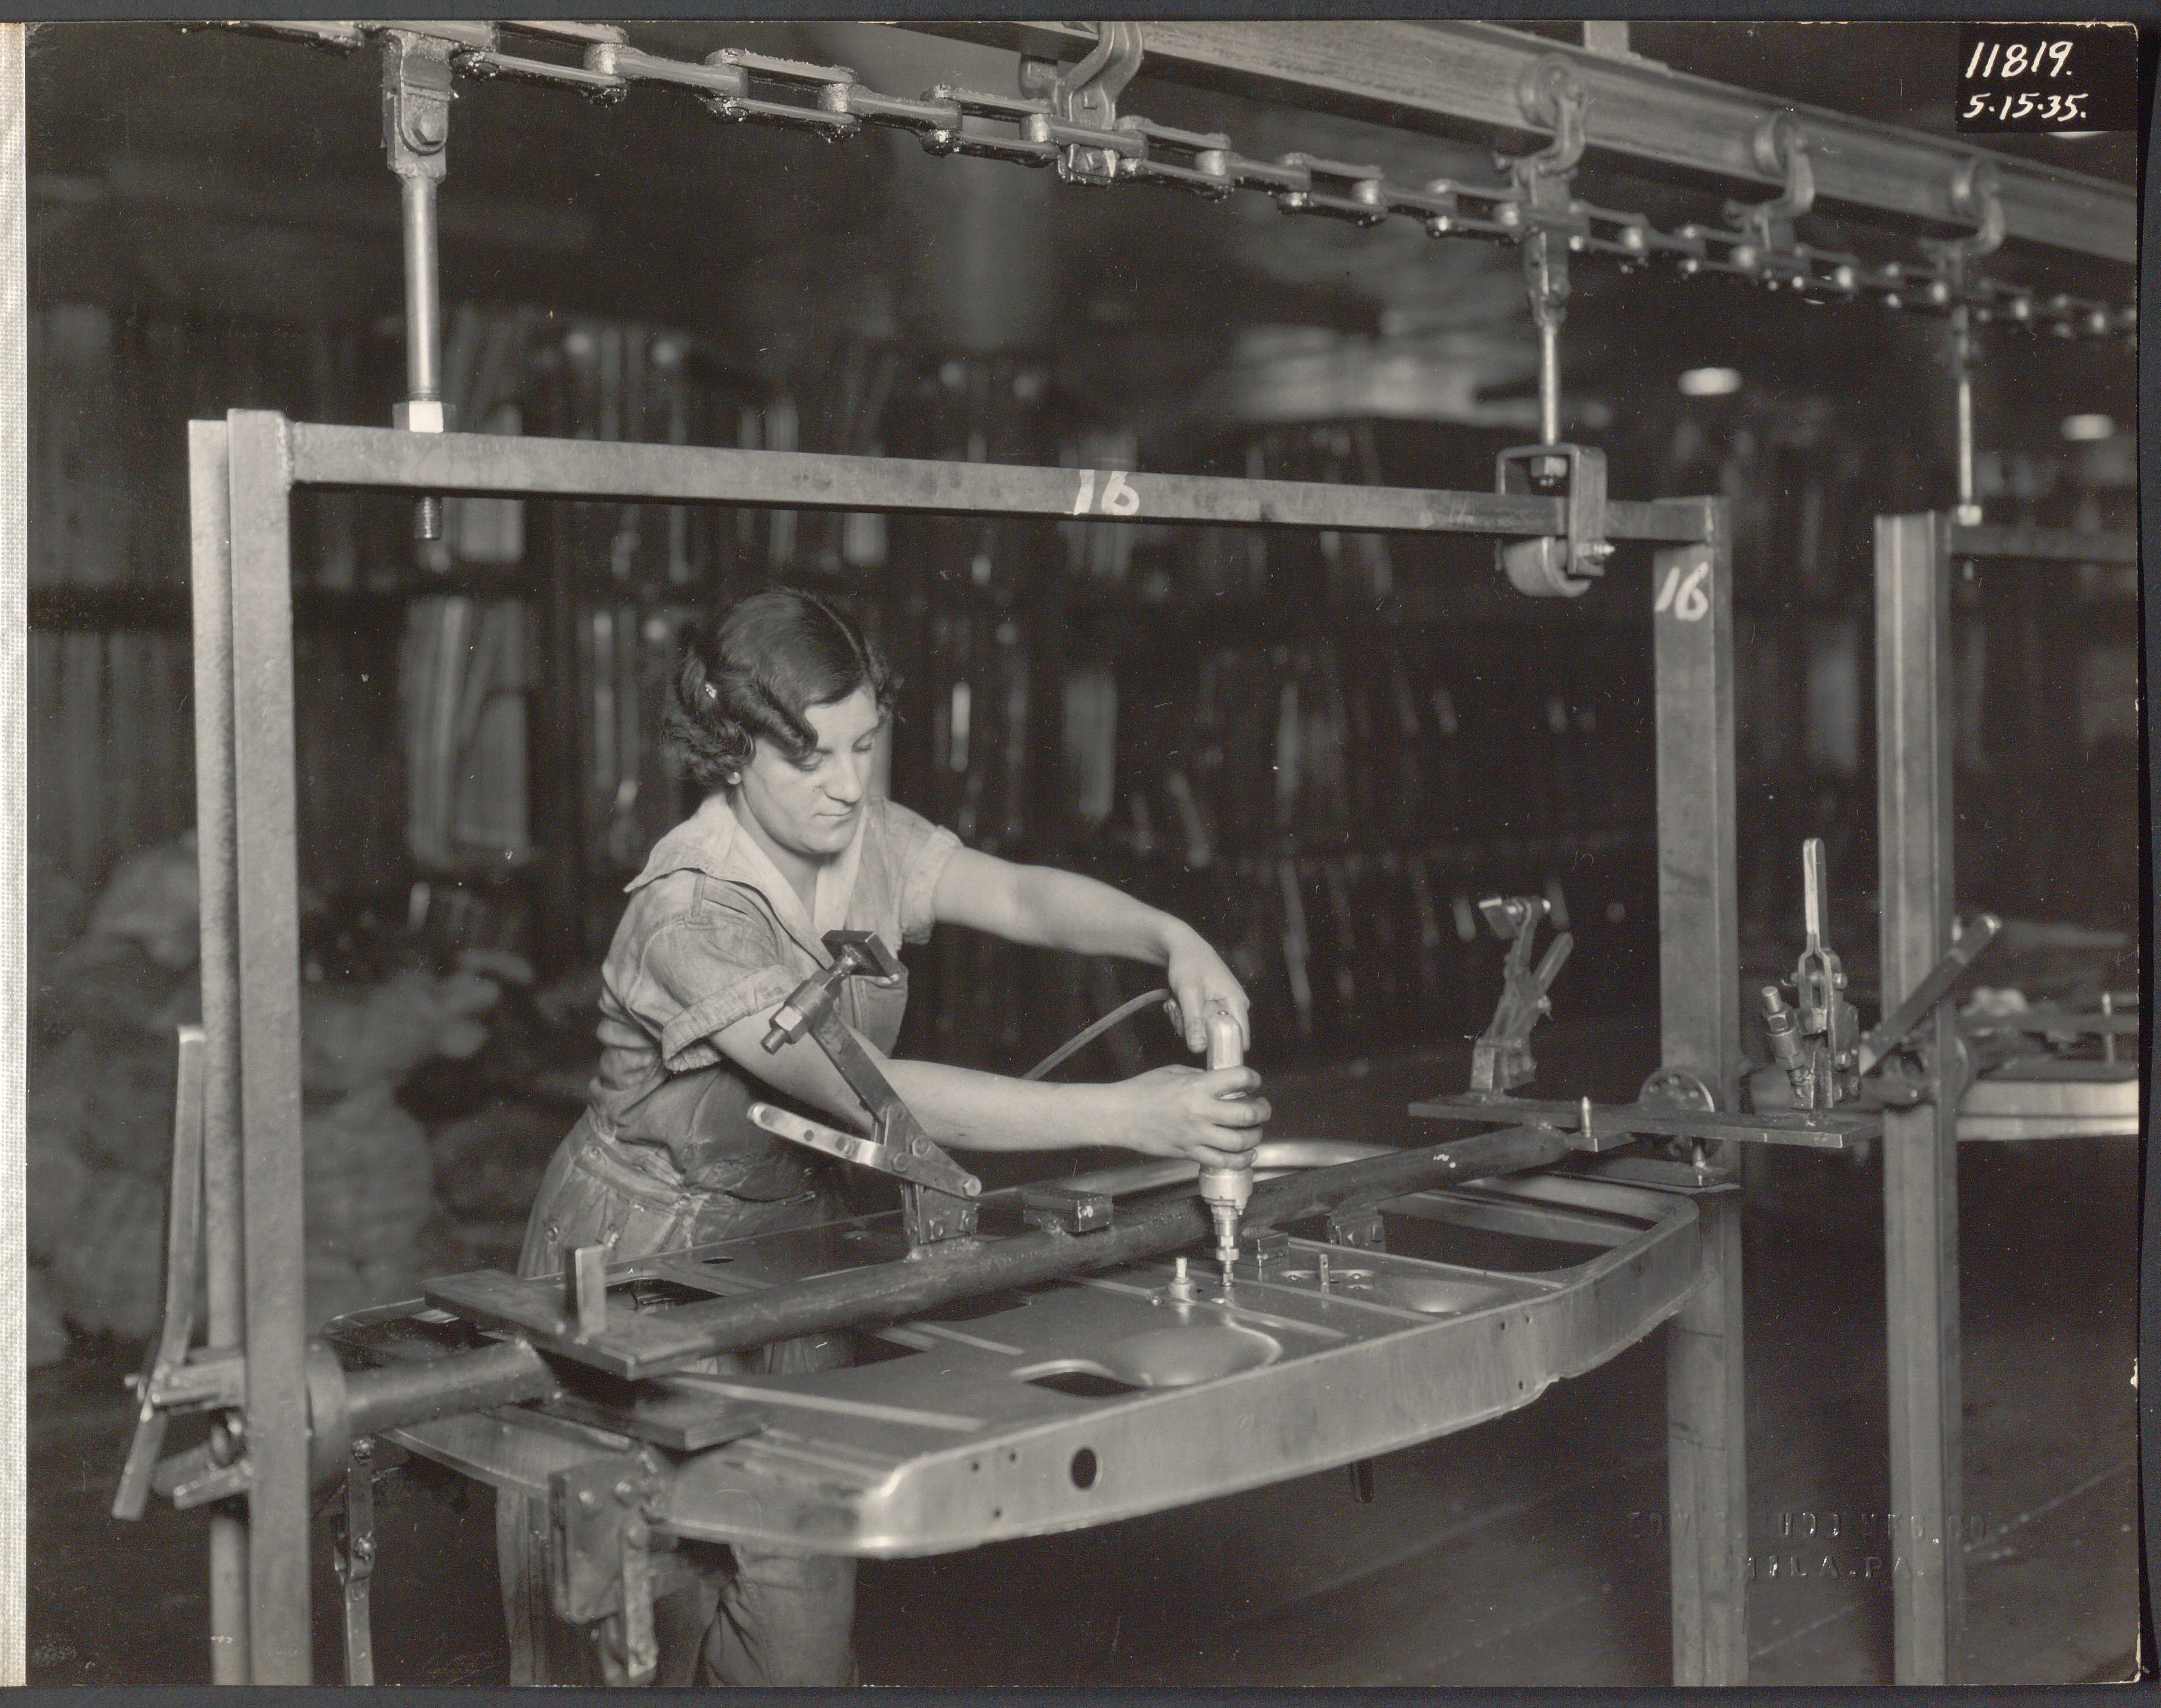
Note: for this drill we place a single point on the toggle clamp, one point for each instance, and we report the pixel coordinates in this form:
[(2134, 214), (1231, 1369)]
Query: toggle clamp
[(938, 1196), (1501, 1059)]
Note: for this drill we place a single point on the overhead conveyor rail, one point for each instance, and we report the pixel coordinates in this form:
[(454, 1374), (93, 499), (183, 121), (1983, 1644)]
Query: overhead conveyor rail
[(1962, 200), (1458, 74)]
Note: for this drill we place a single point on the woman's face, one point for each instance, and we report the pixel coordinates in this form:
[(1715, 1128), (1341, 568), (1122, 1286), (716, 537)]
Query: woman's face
[(810, 810)]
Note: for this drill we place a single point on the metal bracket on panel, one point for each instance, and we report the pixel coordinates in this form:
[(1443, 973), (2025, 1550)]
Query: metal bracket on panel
[(1068, 1211), (1359, 1225), (1562, 565), (1262, 1256), (607, 1562)]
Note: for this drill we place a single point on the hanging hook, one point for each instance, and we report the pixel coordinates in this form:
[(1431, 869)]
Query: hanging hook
[(1977, 193), (1780, 145), (1551, 96), (1086, 93)]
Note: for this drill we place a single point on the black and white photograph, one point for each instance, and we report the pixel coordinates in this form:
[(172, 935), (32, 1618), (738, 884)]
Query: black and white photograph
[(1144, 854)]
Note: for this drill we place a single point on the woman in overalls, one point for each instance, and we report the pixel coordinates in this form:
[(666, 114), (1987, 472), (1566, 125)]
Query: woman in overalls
[(775, 711)]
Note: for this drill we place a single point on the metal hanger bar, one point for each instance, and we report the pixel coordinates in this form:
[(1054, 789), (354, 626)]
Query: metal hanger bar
[(1428, 75), (2073, 544), (490, 463)]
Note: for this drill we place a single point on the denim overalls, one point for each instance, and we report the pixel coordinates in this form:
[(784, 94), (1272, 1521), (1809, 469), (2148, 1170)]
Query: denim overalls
[(666, 1157)]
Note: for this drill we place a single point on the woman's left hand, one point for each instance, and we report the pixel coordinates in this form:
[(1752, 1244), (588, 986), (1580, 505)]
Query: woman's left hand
[(1200, 984)]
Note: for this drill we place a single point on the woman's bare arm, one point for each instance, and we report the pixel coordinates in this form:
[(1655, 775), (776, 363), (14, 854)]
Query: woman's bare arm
[(1046, 909), (1211, 1118)]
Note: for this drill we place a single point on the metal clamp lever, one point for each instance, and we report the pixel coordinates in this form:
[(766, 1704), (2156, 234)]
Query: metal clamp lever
[(169, 1356), (935, 1169), (354, 1557), (1894, 1028), (1501, 1059), (938, 1197), (1817, 1040)]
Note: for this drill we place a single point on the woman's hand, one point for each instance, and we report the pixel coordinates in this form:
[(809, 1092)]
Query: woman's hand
[(1200, 984), (1214, 1119)]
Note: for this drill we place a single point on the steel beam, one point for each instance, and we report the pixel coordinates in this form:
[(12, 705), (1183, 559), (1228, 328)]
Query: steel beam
[(479, 463), (2073, 545), (268, 965), (216, 862), (1700, 1006), (1446, 76), (1914, 732)]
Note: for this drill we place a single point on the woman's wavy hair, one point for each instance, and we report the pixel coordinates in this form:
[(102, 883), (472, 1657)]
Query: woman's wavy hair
[(753, 669)]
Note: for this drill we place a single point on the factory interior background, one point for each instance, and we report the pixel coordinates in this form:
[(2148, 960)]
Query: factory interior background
[(1323, 750)]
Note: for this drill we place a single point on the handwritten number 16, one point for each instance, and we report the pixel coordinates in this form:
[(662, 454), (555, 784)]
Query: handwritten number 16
[(1685, 593), (1119, 498)]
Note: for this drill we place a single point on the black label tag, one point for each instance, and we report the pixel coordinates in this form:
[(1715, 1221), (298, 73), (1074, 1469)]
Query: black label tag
[(2048, 77)]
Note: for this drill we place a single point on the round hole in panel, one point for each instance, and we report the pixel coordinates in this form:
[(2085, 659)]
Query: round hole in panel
[(1084, 1468)]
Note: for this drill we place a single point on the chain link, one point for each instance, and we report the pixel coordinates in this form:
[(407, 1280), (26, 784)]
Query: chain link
[(830, 100)]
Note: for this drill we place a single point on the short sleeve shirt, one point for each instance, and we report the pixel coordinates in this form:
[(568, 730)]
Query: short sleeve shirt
[(712, 933)]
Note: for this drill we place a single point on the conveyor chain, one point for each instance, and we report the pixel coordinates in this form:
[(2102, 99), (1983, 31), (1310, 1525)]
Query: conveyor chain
[(832, 102)]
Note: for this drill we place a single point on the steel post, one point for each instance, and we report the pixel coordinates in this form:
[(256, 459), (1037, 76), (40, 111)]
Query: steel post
[(1700, 991), (266, 910), (1913, 737), (14, 822), (211, 588)]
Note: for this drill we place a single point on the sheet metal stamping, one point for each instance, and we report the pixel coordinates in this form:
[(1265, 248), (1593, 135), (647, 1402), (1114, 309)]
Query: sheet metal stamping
[(1061, 1209)]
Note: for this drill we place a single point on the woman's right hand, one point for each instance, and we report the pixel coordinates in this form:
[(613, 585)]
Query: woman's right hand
[(1211, 1118)]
